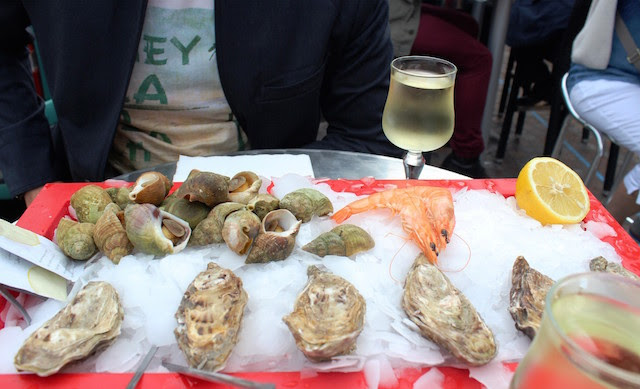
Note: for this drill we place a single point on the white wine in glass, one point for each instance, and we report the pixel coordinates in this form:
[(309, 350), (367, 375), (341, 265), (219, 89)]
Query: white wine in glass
[(418, 115)]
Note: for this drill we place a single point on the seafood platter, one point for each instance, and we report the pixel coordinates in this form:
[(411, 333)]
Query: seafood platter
[(297, 281)]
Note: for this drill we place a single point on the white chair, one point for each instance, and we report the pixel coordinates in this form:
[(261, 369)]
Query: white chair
[(595, 162)]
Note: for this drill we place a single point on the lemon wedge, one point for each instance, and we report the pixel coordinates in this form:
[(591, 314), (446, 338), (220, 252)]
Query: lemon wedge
[(550, 192)]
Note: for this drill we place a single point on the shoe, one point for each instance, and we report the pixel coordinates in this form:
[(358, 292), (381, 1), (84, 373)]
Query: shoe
[(470, 167)]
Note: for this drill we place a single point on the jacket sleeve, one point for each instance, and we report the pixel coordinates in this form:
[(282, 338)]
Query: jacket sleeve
[(357, 80), (26, 152)]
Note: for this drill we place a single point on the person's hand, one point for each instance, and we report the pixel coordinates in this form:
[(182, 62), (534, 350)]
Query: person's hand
[(30, 195)]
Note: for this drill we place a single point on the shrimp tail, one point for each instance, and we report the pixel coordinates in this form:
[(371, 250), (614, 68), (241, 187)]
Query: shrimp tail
[(342, 214)]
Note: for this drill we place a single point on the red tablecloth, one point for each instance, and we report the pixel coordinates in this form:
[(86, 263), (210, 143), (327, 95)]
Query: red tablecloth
[(52, 204)]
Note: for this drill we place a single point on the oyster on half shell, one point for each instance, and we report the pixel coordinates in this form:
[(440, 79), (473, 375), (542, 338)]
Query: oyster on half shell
[(445, 316), (529, 289), (209, 317), (89, 323), (327, 317), (601, 264)]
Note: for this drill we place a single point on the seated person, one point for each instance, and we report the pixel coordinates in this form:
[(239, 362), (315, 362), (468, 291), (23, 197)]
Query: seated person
[(604, 88), (137, 84), (450, 34)]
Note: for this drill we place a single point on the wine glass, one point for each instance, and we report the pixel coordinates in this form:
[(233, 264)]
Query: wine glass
[(418, 115)]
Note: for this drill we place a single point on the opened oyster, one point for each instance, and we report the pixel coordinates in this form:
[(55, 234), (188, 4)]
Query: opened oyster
[(206, 187), (244, 186), (151, 188), (276, 239), (529, 289), (76, 239), (601, 264), (304, 203), (153, 231), (88, 203), (344, 240), (88, 324), (445, 316), (327, 317), (209, 230), (209, 317)]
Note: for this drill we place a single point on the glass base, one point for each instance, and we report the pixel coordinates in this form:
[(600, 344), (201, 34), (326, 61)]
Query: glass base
[(413, 164)]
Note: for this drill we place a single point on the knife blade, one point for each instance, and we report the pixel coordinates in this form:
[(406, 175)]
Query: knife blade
[(217, 377), (142, 367)]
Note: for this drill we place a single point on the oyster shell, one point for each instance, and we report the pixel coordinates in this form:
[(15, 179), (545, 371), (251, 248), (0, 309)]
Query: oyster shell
[(209, 317), (276, 239), (209, 230), (239, 230), (344, 240), (262, 204), (151, 188), (76, 239), (304, 203), (206, 187), (110, 235), (90, 323), (154, 231), (88, 203), (445, 316), (529, 289), (601, 264), (191, 212), (244, 186), (327, 317)]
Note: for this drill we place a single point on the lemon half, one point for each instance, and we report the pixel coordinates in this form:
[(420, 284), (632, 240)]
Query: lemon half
[(550, 192)]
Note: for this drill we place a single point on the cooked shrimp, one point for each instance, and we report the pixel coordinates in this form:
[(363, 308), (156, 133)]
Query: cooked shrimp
[(426, 213)]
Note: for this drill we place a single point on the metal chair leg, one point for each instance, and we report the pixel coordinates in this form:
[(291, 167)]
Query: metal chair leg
[(610, 174)]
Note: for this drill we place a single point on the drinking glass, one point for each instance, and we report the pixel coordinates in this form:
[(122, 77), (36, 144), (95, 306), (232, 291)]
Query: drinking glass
[(418, 115), (589, 336)]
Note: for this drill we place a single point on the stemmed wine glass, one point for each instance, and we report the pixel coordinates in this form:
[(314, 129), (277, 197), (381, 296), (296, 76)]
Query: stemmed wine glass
[(418, 115)]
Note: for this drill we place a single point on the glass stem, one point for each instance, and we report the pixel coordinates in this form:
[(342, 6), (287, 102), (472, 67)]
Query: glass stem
[(413, 164)]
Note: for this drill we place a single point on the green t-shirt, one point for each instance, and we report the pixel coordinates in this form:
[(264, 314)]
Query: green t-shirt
[(174, 103)]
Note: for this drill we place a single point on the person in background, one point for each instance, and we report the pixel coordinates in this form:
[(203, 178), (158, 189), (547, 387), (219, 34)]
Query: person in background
[(604, 87), (136, 84), (418, 28), (535, 35)]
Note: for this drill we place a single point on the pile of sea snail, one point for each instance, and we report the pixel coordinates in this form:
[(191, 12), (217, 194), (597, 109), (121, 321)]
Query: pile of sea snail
[(207, 208)]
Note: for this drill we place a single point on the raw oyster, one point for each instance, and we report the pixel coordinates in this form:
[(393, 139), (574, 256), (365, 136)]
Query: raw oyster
[(191, 212), (327, 317), (120, 196), (151, 188), (205, 187), (529, 289), (344, 240), (153, 231), (276, 239), (110, 235), (90, 323), (244, 186), (306, 202), (88, 203), (445, 316), (76, 239), (209, 317), (262, 204), (601, 264), (239, 230), (209, 230)]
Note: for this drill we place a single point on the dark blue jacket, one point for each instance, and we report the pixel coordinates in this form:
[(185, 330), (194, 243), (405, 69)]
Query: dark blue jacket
[(532, 22), (283, 64)]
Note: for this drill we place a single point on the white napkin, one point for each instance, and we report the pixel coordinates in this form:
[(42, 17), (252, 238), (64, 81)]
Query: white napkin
[(265, 165)]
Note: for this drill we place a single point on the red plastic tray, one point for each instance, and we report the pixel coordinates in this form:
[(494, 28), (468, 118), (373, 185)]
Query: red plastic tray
[(52, 203)]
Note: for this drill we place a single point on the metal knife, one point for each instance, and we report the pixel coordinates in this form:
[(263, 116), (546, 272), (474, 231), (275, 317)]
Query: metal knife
[(217, 377)]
